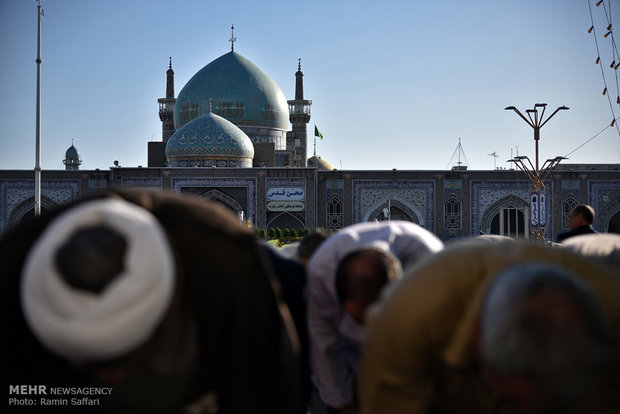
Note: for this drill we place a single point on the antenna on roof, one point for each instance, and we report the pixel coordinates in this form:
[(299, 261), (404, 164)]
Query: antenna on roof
[(494, 155), (459, 166)]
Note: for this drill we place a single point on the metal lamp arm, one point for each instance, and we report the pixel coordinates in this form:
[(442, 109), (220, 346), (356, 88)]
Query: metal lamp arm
[(524, 118), (551, 116), (524, 168)]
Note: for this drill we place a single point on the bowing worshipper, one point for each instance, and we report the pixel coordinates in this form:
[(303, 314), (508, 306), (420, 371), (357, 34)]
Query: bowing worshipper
[(165, 300), (604, 247), (335, 334), (308, 245), (506, 327)]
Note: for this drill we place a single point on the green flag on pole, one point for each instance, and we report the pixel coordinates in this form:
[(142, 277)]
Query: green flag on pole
[(317, 133)]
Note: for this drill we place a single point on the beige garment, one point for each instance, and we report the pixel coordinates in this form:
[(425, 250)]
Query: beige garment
[(419, 354)]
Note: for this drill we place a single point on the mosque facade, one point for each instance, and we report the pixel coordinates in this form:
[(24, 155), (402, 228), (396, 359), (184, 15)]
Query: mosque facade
[(232, 137)]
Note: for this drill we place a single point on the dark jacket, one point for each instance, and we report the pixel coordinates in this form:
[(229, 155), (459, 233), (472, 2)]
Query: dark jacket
[(577, 232)]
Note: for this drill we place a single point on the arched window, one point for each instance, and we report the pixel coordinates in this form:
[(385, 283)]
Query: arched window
[(568, 206), (334, 214), (452, 214)]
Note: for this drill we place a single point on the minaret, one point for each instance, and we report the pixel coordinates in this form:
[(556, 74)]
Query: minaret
[(299, 115), (166, 106), (72, 159)]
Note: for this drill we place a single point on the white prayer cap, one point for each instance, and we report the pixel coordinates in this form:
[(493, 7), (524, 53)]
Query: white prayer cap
[(84, 326)]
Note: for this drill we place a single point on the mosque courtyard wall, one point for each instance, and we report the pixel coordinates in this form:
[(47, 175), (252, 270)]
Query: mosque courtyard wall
[(451, 204)]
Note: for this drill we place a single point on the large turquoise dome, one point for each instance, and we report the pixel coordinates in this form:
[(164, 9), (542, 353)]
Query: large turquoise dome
[(238, 90), (209, 141)]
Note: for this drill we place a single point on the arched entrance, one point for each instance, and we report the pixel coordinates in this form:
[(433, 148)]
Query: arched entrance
[(286, 220), (398, 210), (508, 217), (610, 219), (25, 210), (223, 198), (395, 213)]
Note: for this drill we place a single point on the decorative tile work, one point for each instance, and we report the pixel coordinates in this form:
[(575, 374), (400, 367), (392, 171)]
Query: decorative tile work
[(97, 184), (604, 197), (334, 184), (177, 183), (285, 182), (222, 163), (140, 183), (453, 210), (570, 185), (209, 135), (570, 198), (239, 89), (335, 218), (335, 205), (484, 194), (417, 195), (15, 192)]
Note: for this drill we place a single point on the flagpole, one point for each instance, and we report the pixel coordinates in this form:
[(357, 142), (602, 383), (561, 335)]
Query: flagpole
[(315, 146), (37, 165)]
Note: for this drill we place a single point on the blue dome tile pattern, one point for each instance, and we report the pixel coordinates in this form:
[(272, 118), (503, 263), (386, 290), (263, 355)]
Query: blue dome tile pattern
[(209, 140), (237, 89)]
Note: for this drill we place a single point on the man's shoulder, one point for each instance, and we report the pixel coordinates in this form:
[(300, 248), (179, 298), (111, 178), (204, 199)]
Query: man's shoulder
[(576, 232)]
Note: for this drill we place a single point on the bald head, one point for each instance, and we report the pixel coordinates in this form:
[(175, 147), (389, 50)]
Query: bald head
[(543, 327), (582, 215), (360, 277)]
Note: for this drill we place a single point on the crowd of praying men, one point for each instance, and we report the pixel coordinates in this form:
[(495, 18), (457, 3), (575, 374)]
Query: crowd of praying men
[(172, 305)]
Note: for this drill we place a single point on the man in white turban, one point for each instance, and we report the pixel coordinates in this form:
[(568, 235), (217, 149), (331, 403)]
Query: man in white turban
[(164, 300)]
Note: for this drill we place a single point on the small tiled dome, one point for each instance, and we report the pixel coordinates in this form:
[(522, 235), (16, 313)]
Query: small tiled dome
[(209, 141)]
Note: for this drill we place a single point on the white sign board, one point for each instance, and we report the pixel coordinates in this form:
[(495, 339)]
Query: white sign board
[(285, 194), (285, 206)]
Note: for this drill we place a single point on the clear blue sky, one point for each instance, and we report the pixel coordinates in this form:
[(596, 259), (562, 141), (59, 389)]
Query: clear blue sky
[(394, 84)]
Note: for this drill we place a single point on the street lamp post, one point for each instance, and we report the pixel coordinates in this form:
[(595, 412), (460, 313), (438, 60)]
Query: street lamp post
[(535, 173)]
